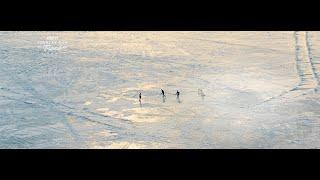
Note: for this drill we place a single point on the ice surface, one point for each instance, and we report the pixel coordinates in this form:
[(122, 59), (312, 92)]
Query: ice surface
[(238, 89)]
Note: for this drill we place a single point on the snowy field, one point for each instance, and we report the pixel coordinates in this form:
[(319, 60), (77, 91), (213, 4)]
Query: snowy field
[(238, 89)]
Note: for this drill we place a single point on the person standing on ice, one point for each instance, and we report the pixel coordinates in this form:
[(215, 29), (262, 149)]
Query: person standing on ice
[(162, 92), (200, 92), (178, 98), (163, 96), (178, 93), (140, 96)]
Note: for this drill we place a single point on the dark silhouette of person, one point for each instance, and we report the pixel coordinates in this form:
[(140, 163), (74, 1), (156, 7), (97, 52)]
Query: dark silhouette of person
[(139, 96), (178, 93), (162, 92), (178, 98), (163, 96)]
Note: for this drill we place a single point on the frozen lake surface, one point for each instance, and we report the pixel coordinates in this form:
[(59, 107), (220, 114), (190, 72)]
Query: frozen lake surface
[(238, 89)]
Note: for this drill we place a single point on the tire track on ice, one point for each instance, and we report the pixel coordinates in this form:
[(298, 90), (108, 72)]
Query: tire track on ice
[(303, 63), (304, 67), (313, 61)]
